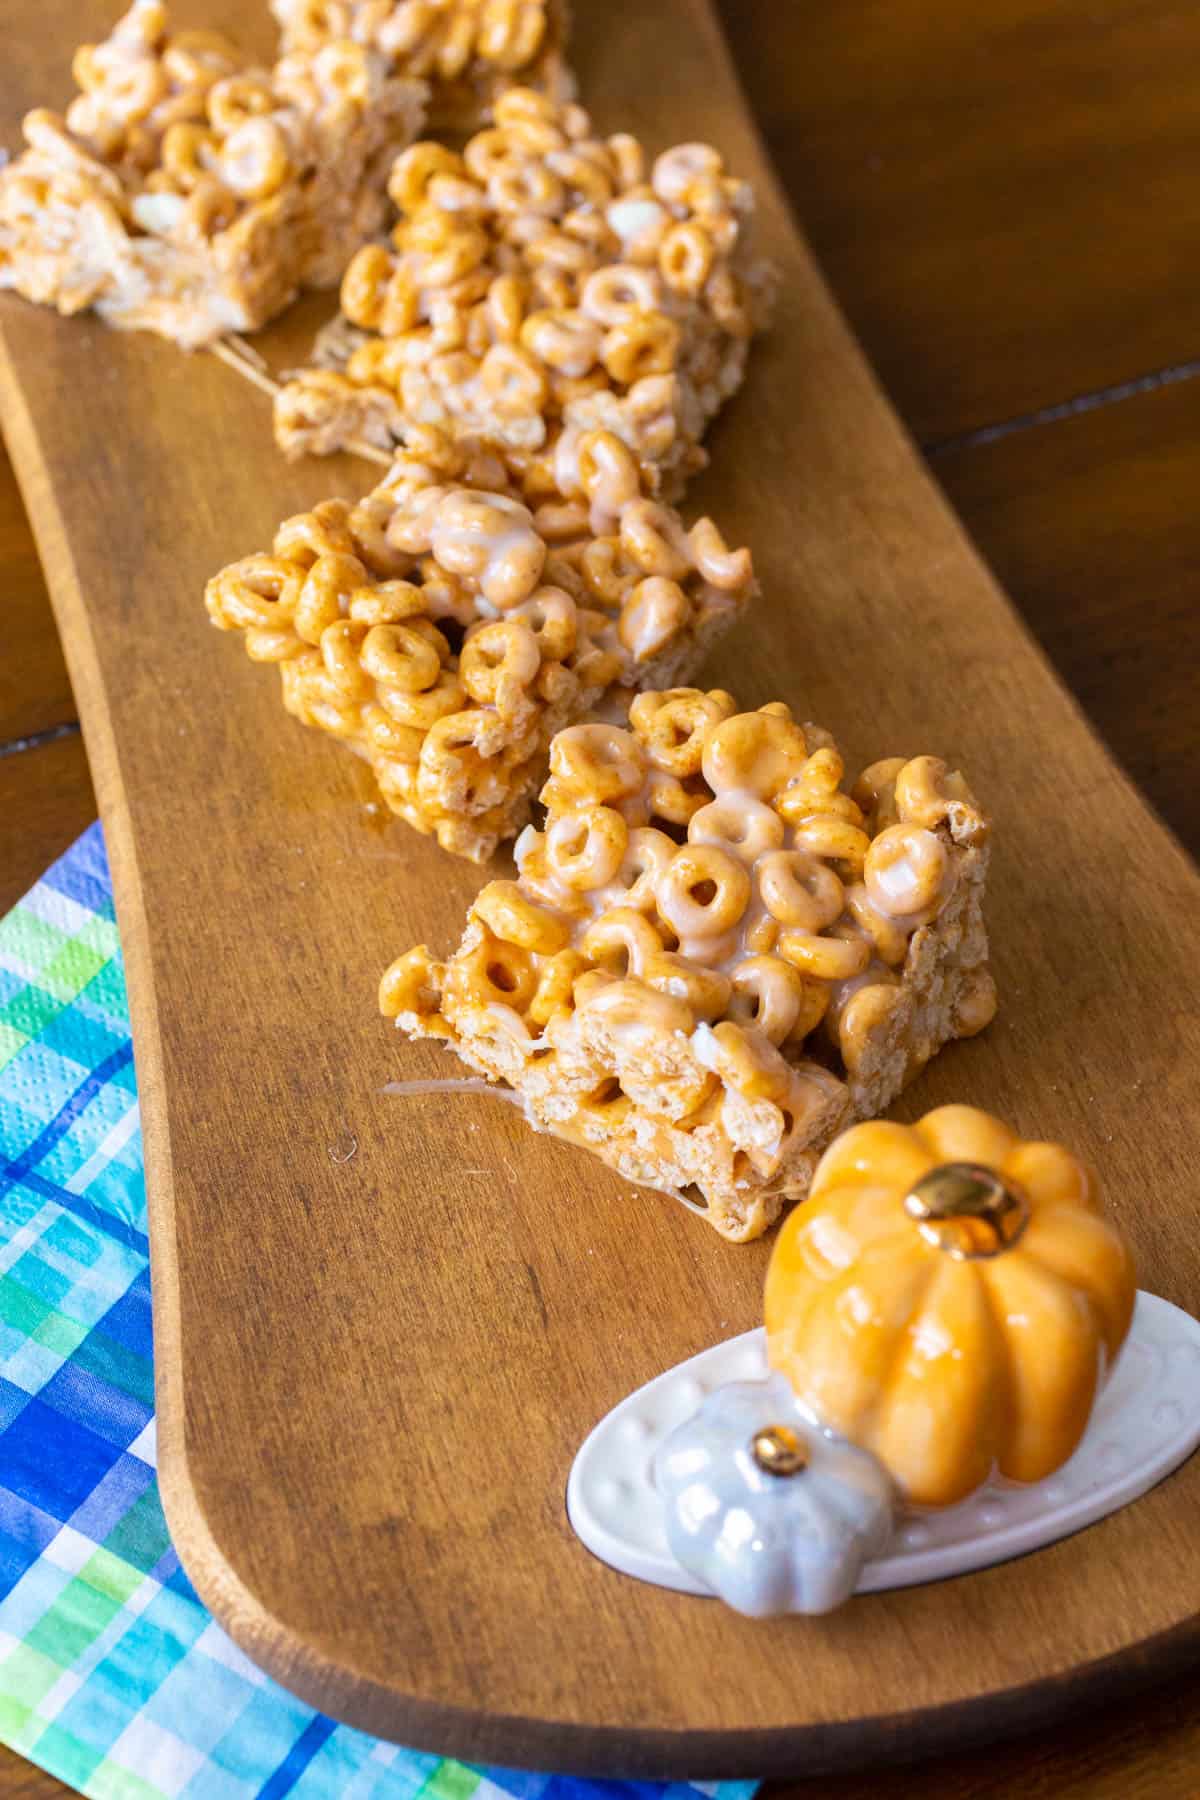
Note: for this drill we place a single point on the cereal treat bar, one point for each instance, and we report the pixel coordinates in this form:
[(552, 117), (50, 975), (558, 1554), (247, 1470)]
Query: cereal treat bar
[(445, 632), (715, 957), (542, 284), (469, 51), (188, 193)]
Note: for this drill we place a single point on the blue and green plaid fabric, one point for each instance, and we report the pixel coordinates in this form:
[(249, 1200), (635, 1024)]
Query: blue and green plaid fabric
[(112, 1674)]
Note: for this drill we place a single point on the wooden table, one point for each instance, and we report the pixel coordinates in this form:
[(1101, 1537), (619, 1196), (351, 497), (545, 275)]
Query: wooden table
[(1002, 196)]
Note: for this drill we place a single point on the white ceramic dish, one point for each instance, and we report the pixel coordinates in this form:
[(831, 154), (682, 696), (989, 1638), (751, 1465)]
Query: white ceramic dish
[(1146, 1422)]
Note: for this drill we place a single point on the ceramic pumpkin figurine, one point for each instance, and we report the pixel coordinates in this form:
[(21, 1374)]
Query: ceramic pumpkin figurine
[(949, 1298), (765, 1509)]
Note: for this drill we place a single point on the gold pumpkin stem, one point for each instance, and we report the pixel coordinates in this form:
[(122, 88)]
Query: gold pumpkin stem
[(967, 1211), (778, 1450)]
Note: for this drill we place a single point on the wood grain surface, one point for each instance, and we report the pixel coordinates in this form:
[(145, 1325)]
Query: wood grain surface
[(1002, 194), (1087, 520), (858, 553), (45, 801), (35, 695)]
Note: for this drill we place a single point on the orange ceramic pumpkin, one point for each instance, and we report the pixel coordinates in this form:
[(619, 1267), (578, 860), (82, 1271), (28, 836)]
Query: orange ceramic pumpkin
[(949, 1298)]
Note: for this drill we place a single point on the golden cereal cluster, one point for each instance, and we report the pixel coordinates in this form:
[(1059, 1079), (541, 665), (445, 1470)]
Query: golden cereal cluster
[(435, 630), (707, 931), (468, 51), (544, 282), (189, 193)]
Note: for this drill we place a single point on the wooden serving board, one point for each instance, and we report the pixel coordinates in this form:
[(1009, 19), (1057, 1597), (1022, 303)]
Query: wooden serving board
[(384, 1325)]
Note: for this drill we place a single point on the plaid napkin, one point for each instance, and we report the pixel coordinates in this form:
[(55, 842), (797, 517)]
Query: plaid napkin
[(113, 1676)]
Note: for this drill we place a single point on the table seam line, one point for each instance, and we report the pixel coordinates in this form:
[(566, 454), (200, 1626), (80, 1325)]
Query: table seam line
[(1076, 406), (36, 740)]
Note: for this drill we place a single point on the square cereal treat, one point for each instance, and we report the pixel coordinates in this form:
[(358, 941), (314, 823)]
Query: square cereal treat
[(445, 632), (714, 957), (188, 193), (469, 51), (544, 283)]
